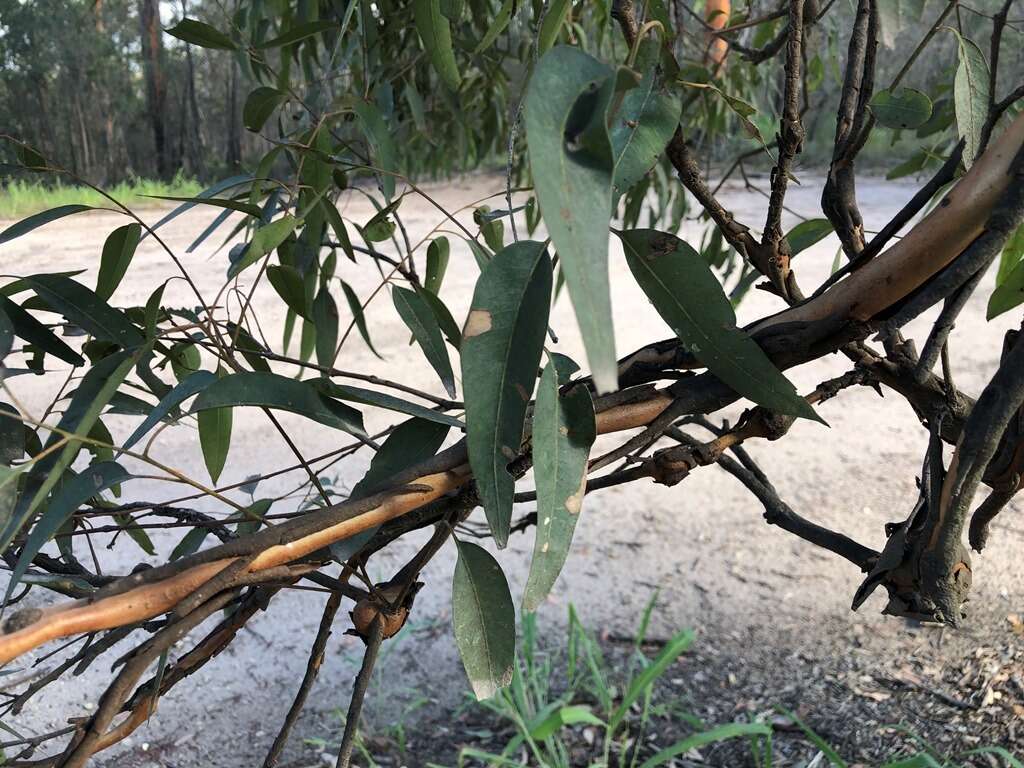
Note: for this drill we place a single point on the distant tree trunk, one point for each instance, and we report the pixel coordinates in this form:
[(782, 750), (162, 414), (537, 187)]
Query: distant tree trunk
[(193, 134), (234, 148), (115, 159), (156, 87)]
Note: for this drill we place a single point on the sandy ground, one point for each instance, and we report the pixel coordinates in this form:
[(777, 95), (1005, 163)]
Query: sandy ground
[(772, 612)]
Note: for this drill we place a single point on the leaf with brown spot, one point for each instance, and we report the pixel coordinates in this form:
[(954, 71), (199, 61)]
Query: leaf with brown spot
[(563, 431), (509, 313)]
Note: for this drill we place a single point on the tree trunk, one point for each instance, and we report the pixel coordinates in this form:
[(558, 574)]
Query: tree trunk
[(156, 86)]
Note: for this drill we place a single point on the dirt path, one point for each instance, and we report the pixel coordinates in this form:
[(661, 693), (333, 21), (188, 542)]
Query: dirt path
[(772, 612)]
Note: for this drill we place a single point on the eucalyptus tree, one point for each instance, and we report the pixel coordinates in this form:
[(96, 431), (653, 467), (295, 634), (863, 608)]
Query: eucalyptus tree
[(600, 116)]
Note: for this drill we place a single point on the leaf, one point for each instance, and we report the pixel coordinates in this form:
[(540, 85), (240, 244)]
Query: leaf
[(215, 435), (563, 431), (385, 154), (712, 736), (288, 283), (436, 34), (417, 315), (239, 206), (118, 251), (86, 309), (641, 129), (902, 108), (686, 294), (501, 348), (807, 233), (1008, 294), (201, 34), (97, 387), (185, 389), (501, 21), (136, 534), (672, 650), (216, 189), (896, 15), (561, 717), (265, 240), (297, 33), (484, 620), (437, 264), (970, 96), (36, 220), (742, 109), (356, 307), (382, 400), (554, 19), (6, 336), (37, 334), (270, 390), (71, 495), (444, 318), (325, 316), (572, 163), (411, 442)]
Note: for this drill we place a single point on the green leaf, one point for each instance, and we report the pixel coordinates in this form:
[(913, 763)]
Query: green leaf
[(26, 225), (501, 21), (713, 736), (830, 754), (37, 334), (484, 619), (561, 717), (970, 95), (265, 240), (902, 108), (186, 388), (437, 264), (436, 34), (572, 163), (118, 251), (563, 431), (356, 308), (136, 534), (449, 327), (325, 315), (1008, 294), (385, 154), (297, 33), (411, 442), (86, 310), (8, 493), (417, 315), (201, 34), (98, 386), (215, 436), (70, 496), (501, 348), (228, 204), (686, 294), (382, 400), (641, 129), (672, 650), (554, 19), (6, 336), (289, 286), (807, 233), (270, 390)]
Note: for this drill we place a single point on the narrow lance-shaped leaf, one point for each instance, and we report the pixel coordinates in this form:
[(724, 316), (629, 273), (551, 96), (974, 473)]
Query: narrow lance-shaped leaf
[(271, 390), (201, 34), (501, 21), (297, 33), (265, 240), (382, 400), (325, 315), (437, 264), (436, 34), (35, 333), (356, 308), (410, 443), (86, 309), (970, 95), (118, 251), (807, 233), (215, 436), (686, 294), (572, 164), (484, 620), (385, 153), (563, 431), (36, 220), (417, 315), (501, 348), (71, 495)]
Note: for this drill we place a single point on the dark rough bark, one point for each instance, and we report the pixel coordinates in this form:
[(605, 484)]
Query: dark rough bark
[(156, 86)]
